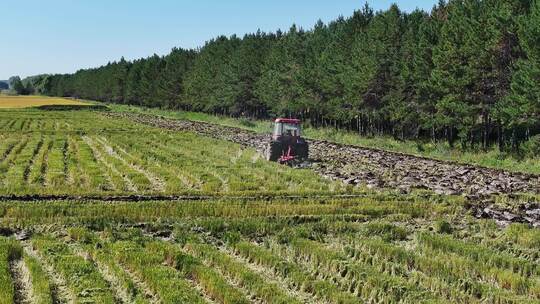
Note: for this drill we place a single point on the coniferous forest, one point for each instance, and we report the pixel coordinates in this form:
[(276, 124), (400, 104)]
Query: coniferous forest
[(468, 72)]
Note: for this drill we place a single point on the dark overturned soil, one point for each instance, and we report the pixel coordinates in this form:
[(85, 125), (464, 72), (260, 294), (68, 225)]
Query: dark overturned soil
[(381, 169)]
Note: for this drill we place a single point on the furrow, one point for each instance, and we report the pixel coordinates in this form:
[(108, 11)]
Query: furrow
[(22, 282), (9, 149), (140, 284), (32, 161), (61, 293), (158, 184), (99, 156), (121, 294), (45, 164)]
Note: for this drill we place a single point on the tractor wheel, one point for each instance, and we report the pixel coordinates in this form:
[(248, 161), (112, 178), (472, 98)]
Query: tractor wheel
[(273, 151), (302, 150)]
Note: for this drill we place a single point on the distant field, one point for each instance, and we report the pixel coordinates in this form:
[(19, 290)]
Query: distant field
[(17, 102)]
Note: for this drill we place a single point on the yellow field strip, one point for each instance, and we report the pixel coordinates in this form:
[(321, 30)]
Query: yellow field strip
[(18, 102)]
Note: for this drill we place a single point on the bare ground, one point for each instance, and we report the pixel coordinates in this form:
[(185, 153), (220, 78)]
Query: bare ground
[(22, 281)]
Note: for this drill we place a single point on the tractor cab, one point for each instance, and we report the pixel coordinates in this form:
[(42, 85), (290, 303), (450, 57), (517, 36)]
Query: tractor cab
[(287, 144), (286, 127)]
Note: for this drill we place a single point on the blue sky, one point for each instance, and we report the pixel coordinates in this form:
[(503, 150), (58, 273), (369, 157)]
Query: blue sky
[(62, 36)]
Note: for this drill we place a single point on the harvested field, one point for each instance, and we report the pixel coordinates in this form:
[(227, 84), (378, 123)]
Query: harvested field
[(95, 208), (17, 102), (388, 170), (373, 168), (380, 249), (84, 154)]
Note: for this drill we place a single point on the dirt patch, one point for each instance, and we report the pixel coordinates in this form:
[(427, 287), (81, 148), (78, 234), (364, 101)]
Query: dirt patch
[(515, 211), (146, 198), (75, 107), (22, 282)]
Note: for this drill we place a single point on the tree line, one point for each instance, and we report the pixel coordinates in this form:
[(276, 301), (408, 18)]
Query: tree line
[(28, 86), (467, 72)]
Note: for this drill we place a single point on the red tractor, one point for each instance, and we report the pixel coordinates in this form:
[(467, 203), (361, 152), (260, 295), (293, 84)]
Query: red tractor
[(287, 145)]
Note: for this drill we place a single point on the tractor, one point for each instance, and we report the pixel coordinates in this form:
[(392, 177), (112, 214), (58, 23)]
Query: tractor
[(287, 145)]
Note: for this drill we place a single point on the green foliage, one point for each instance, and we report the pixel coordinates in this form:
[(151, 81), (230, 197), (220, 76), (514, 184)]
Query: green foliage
[(531, 148), (521, 109), (81, 235), (443, 226), (523, 235), (17, 85), (467, 71)]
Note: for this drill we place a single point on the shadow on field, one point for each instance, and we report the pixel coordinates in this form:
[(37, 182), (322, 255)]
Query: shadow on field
[(73, 108)]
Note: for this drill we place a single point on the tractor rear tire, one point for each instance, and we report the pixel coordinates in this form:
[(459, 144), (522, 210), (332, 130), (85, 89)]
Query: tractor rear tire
[(302, 151), (273, 151)]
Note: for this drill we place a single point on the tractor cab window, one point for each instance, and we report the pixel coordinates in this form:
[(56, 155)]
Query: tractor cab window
[(287, 129)]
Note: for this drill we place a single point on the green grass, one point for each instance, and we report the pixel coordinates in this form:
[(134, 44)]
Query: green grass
[(215, 285), (80, 274), (246, 240), (97, 213), (147, 260), (263, 290), (492, 158), (381, 248), (368, 282), (85, 154), (9, 250), (299, 278), (41, 287)]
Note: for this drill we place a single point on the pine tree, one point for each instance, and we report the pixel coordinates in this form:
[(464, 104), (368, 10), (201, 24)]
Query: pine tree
[(133, 80), (170, 88), (280, 84), (150, 73), (520, 111), (244, 70), (453, 75), (469, 70), (118, 80), (16, 85)]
